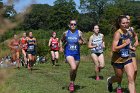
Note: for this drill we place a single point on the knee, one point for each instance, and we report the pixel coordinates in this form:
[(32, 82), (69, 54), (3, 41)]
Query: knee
[(131, 79), (25, 56), (102, 66), (97, 65), (74, 69), (56, 58)]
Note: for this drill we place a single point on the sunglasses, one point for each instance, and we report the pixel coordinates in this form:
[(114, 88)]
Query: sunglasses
[(72, 24)]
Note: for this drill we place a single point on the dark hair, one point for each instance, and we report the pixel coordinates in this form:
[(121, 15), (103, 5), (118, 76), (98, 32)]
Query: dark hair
[(119, 19), (94, 25)]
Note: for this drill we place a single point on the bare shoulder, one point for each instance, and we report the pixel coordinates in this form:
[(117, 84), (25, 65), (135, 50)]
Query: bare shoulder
[(65, 32), (117, 34), (91, 37), (102, 34), (80, 32)]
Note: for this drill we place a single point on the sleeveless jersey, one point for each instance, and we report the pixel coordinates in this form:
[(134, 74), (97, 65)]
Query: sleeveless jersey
[(31, 47), (16, 44), (131, 31), (97, 40), (24, 43), (124, 52), (72, 45), (54, 44)]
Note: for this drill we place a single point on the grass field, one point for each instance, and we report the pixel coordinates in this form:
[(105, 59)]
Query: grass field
[(47, 79)]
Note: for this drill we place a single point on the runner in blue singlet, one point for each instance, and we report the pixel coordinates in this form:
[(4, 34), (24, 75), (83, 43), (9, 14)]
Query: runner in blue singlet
[(72, 38)]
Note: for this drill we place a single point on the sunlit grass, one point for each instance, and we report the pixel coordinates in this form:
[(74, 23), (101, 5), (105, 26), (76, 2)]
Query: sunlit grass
[(47, 79)]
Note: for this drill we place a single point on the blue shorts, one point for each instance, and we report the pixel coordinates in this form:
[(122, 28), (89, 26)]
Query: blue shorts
[(121, 65), (75, 56)]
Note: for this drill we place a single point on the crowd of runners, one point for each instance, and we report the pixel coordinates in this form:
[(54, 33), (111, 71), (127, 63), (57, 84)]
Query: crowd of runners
[(125, 42), (28, 47)]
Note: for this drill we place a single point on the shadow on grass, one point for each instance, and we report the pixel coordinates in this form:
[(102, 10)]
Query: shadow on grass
[(57, 65), (125, 90), (77, 87), (34, 69), (94, 77)]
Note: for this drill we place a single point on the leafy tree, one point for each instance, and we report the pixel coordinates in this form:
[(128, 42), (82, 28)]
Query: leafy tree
[(38, 17), (63, 11), (95, 7)]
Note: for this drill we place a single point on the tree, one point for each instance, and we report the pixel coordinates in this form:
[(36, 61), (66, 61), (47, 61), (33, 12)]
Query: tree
[(95, 7), (51, 17), (63, 12), (38, 17)]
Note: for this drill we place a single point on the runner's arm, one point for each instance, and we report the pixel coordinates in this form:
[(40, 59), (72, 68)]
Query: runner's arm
[(82, 38), (90, 45), (62, 40), (35, 41), (10, 44), (116, 38), (136, 40), (103, 42), (49, 44)]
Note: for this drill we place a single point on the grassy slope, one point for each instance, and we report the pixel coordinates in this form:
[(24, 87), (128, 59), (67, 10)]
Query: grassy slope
[(48, 79)]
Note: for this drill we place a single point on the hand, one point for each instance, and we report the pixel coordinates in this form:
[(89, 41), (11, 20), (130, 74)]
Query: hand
[(127, 41), (61, 49), (133, 48), (94, 45), (80, 42), (136, 43)]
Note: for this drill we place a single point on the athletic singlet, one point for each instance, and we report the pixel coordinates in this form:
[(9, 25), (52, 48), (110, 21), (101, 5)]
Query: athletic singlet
[(124, 52), (31, 47), (131, 31), (24, 43), (54, 44), (16, 44), (97, 40), (72, 45), (123, 55)]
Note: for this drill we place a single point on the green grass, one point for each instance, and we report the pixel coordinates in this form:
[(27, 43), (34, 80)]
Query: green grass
[(47, 79)]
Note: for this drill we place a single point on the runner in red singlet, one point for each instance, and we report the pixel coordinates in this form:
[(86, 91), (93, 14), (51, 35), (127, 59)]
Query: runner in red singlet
[(23, 44), (54, 46)]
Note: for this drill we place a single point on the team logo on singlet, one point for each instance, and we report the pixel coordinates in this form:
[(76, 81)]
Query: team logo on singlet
[(97, 40)]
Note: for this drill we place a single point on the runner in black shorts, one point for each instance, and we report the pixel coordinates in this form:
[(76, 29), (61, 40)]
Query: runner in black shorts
[(31, 50), (54, 46), (121, 59), (96, 44)]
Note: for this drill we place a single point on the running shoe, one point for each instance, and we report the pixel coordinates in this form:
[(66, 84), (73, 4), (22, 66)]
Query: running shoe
[(71, 87), (119, 90), (97, 78), (109, 85)]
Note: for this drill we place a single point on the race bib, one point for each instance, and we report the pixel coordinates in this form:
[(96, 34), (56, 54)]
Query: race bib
[(16, 47), (72, 47), (99, 47), (54, 45), (124, 52), (31, 48)]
